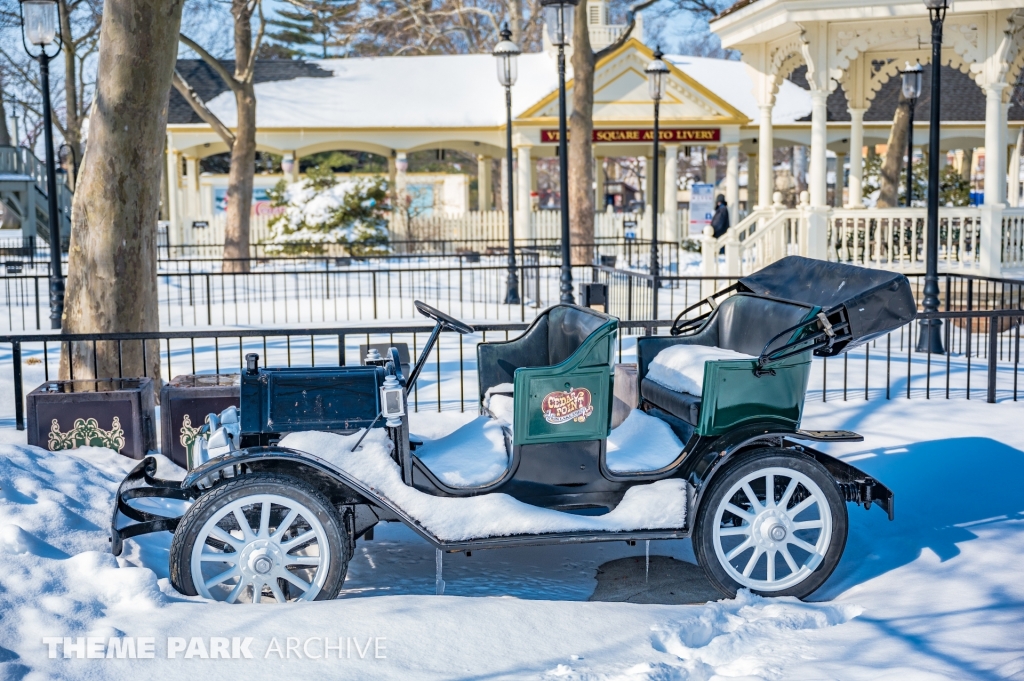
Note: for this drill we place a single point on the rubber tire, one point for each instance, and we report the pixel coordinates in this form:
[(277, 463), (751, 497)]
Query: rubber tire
[(703, 531), (251, 484)]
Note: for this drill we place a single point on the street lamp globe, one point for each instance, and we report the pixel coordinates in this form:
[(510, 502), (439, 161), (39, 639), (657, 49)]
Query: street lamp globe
[(657, 74), (558, 15), (936, 4), (505, 54), (912, 81), (39, 21)]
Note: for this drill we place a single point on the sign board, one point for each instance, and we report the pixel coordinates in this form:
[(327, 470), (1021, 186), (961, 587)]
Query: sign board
[(629, 226), (702, 207), (200, 224), (695, 136)]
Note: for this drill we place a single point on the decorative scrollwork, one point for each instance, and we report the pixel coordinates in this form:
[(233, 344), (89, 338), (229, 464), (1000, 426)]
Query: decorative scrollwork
[(86, 433)]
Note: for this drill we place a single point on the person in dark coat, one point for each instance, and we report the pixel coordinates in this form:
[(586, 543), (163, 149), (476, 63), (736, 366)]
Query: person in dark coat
[(720, 220)]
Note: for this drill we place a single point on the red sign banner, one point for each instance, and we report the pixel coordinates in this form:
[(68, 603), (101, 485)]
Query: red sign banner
[(681, 135)]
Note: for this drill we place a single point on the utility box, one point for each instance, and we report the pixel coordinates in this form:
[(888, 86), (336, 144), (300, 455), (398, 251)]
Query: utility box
[(184, 404), (595, 296), (117, 413)]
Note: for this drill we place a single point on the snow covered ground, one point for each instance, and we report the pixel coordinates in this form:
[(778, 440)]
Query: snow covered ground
[(937, 594)]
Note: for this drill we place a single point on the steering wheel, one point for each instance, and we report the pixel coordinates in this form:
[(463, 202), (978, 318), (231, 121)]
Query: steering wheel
[(441, 318)]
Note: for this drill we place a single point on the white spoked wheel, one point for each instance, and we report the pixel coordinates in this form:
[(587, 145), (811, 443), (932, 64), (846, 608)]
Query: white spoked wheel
[(774, 524), (259, 539), (769, 541), (235, 560)]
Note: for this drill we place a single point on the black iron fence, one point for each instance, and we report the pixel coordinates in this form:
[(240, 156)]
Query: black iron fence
[(631, 293), (983, 359), (30, 255)]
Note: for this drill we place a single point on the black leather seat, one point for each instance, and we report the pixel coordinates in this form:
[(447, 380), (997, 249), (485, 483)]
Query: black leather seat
[(743, 323), (552, 338)]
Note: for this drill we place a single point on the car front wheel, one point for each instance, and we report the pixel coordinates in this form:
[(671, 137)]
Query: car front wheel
[(260, 538), (773, 522)]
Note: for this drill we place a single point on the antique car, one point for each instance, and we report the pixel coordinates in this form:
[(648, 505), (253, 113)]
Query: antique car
[(709, 446)]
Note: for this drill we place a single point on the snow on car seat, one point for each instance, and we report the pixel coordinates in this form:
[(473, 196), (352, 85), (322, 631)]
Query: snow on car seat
[(681, 367), (498, 401), (641, 443)]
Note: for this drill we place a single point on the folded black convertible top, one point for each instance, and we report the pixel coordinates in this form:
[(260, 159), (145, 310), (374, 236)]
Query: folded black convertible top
[(874, 302)]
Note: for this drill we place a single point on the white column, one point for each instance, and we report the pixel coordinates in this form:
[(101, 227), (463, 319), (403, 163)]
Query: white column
[(1013, 174), (819, 140), (400, 228), (995, 181), (173, 178), (765, 157), (483, 183), (817, 219), (290, 167), (671, 230), (856, 198), (524, 212), (191, 187), (732, 181)]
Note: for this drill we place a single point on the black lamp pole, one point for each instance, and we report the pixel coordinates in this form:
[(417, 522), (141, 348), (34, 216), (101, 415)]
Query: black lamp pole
[(656, 72), (565, 286), (930, 333), (506, 51), (560, 29), (40, 38)]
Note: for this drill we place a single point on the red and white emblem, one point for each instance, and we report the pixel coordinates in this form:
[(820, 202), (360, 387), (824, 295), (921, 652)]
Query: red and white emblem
[(569, 405)]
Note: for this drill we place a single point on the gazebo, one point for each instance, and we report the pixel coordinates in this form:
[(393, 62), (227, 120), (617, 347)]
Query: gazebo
[(856, 47)]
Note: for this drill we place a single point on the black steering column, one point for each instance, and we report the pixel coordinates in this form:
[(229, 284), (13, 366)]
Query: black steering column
[(444, 323)]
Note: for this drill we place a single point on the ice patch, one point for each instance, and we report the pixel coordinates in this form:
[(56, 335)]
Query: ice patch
[(659, 505), (681, 367), (641, 443)]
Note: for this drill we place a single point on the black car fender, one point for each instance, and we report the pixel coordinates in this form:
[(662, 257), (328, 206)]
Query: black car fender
[(716, 454), (337, 485)]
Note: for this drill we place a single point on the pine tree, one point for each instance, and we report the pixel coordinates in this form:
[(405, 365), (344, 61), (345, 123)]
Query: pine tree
[(313, 27)]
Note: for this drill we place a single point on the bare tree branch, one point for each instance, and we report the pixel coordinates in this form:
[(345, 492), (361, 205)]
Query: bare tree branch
[(199, 106), (214, 64), (624, 36)]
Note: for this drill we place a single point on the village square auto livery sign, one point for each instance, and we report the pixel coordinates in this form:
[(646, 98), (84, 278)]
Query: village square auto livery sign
[(682, 135)]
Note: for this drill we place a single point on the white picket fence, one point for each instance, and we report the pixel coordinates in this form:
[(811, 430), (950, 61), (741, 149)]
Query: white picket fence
[(476, 225), (893, 239)]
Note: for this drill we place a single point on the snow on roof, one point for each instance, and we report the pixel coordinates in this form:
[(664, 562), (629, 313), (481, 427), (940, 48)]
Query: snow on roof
[(459, 91), (413, 91), (730, 80)]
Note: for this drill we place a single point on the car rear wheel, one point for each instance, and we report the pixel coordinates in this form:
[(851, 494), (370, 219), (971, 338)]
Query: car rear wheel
[(260, 538), (772, 522)]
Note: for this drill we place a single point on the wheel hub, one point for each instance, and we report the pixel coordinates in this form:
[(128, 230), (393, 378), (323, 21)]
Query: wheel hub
[(770, 528), (260, 557)]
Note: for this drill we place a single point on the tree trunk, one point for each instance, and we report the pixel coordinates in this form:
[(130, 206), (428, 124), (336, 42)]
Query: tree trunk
[(73, 126), (111, 285), (889, 180), (243, 153), (581, 154), (515, 20), (5, 135)]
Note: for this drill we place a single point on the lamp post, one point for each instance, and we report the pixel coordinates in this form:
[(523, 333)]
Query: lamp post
[(911, 91), (505, 53), (657, 73), (39, 28), (559, 20), (929, 337)]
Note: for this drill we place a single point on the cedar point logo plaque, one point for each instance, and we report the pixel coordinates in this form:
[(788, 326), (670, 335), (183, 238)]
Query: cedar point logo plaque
[(564, 406)]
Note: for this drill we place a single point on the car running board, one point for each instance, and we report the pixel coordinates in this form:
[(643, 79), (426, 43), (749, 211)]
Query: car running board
[(827, 435)]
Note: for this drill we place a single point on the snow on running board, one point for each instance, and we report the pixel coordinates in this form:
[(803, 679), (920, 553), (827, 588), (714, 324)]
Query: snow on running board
[(659, 505)]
